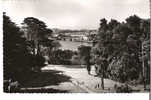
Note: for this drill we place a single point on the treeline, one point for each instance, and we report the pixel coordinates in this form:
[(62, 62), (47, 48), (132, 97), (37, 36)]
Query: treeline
[(25, 49), (120, 44), (17, 59)]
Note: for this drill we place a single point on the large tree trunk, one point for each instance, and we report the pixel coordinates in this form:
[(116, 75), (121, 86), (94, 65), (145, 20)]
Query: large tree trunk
[(38, 48), (88, 68), (102, 78), (102, 82)]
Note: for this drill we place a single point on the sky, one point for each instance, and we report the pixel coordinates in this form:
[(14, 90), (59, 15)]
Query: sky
[(75, 14)]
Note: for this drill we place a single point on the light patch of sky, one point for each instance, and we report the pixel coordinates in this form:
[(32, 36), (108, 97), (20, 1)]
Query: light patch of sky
[(75, 14)]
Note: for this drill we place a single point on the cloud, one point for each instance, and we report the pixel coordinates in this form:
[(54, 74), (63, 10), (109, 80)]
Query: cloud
[(75, 13)]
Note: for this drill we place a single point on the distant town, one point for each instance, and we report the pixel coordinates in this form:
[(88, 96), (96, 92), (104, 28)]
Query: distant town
[(74, 35)]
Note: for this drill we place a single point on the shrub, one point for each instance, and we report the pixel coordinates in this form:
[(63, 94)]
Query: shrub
[(122, 88), (40, 60), (123, 69)]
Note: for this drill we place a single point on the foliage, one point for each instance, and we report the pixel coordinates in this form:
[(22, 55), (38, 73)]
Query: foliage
[(19, 59), (36, 31), (39, 38), (39, 60), (122, 88), (75, 60), (120, 45), (16, 54), (61, 57), (84, 54)]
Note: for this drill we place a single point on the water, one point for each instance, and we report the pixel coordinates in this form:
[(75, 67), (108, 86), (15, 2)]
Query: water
[(72, 45)]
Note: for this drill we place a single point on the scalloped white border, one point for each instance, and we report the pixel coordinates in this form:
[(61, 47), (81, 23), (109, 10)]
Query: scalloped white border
[(69, 96)]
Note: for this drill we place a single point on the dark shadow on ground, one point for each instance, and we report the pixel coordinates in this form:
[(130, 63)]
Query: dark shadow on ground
[(45, 78), (42, 90)]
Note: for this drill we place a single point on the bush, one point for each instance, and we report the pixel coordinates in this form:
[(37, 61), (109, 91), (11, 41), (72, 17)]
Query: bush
[(37, 62), (61, 57), (75, 60), (122, 88), (123, 69), (40, 60)]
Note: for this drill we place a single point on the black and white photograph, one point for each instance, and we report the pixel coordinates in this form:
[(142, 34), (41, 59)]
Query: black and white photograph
[(76, 46)]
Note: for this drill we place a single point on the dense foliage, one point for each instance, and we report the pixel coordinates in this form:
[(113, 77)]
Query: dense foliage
[(17, 63), (20, 57), (120, 44), (84, 54), (60, 57), (36, 32)]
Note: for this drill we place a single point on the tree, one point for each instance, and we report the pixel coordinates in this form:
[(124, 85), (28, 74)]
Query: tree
[(145, 28), (84, 54), (125, 41), (16, 54), (116, 44), (55, 45), (103, 48), (100, 61), (133, 23), (36, 31), (113, 24), (39, 39)]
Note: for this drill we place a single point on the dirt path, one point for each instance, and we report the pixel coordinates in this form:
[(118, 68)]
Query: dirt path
[(80, 78), (89, 83)]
